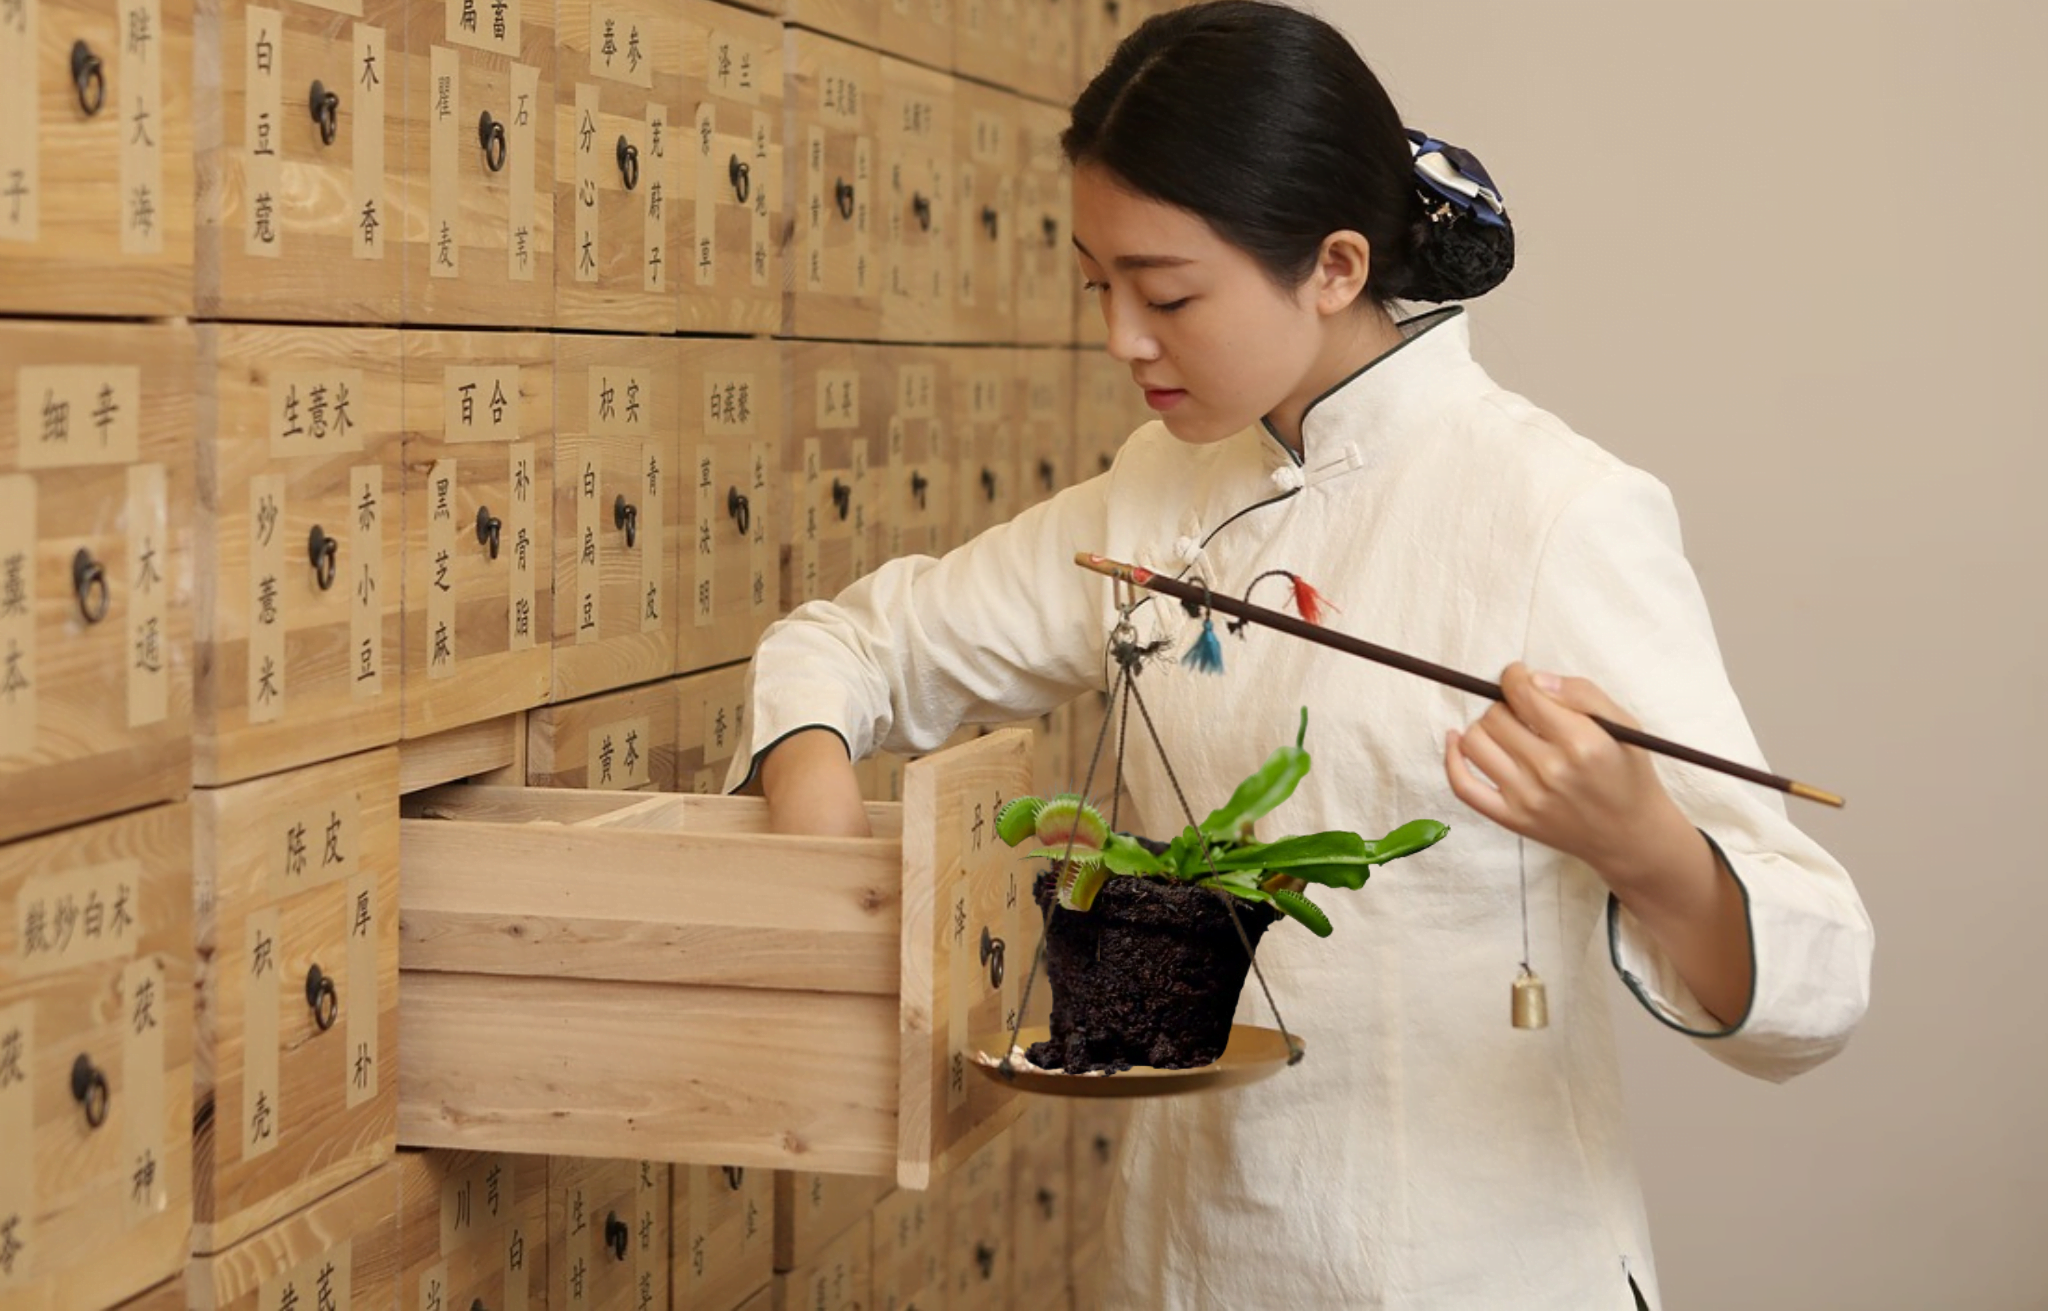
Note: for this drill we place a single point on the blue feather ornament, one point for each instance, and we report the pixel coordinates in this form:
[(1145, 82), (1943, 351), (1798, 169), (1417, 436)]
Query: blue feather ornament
[(1206, 654)]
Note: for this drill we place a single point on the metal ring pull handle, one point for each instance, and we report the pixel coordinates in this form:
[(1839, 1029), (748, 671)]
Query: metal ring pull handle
[(735, 1176), (324, 552), (89, 77), (842, 191), (842, 498), (1052, 232), (629, 162), (627, 517), (1102, 1146), (89, 582), (326, 107), (477, 1304), (737, 506), (985, 1257), (1046, 474), (617, 1235), (1113, 9), (1046, 1198), (918, 484), (1104, 461), (742, 178), (923, 209), (322, 997), (988, 483), (989, 220), (488, 528), (992, 956), (491, 133), (89, 1089)]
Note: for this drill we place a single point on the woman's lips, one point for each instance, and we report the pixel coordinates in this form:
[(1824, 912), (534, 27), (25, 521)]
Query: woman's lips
[(1163, 399)]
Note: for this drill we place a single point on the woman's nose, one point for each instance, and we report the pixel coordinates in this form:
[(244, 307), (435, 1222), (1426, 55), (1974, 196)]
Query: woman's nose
[(1127, 340)]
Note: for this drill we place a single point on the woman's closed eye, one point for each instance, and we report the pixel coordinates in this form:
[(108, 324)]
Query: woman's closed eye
[(1167, 307)]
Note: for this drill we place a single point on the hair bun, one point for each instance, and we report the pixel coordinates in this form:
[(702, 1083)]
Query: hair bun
[(1456, 259)]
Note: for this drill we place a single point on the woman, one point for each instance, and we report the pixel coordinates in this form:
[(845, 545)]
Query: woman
[(1248, 208)]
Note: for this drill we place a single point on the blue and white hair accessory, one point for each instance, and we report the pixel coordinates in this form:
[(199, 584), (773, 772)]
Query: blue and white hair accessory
[(1454, 177)]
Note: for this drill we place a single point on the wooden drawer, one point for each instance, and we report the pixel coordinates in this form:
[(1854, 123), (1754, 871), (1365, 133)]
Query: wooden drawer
[(915, 497), (479, 526), (823, 1021), (301, 152), (986, 423), (916, 221), (840, 1278), (619, 107), (857, 21), (479, 239), (711, 711), (1046, 462), (617, 741), (1108, 407), (732, 202), (296, 890), (920, 31), (1040, 1194), (988, 41), (831, 179), (910, 1249), (473, 1228), (1094, 1150), (607, 1235), (1048, 279), (167, 1296), (342, 1251), (95, 1060), (732, 447), (834, 437), (980, 1243), (989, 224), (1051, 71), (722, 1221), (96, 157), (95, 571), (812, 1210), (616, 512), (300, 490)]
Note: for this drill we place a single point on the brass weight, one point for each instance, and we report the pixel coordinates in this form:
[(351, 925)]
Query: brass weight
[(1531, 1005)]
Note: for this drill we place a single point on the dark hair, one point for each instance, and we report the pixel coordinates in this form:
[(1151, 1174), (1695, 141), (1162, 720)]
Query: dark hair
[(1265, 122)]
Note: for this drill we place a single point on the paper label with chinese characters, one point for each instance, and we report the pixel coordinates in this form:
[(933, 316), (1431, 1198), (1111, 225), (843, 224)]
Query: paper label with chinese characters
[(519, 550), (620, 401), (19, 678), (707, 519), (313, 1285), (18, 1209), (314, 845), (262, 996), (489, 25), (76, 414), (763, 587), (140, 94), (970, 222), (618, 45), (146, 1190), (444, 161), (312, 412), (839, 98), (77, 917), (857, 513), (619, 754), (263, 132), (897, 491), (517, 1249), (712, 182), (838, 398), (729, 407), (589, 254), (961, 984), (698, 1239), (523, 139), (589, 570), (863, 238), (434, 1290), (265, 675), (813, 511), (21, 182), (917, 391), (723, 721), (653, 514), (366, 579), (762, 177), (367, 148), (654, 181), (359, 999), (730, 68), (1006, 266), (149, 654), (440, 564), (650, 1239), (815, 202), (480, 403)]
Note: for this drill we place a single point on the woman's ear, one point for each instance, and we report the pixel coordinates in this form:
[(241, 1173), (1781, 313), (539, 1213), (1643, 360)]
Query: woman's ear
[(1341, 269)]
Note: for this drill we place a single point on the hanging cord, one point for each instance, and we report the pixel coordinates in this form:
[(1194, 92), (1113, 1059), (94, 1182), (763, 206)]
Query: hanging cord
[(1522, 861)]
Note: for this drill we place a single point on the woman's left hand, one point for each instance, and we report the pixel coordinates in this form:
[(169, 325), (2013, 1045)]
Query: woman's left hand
[(1553, 775)]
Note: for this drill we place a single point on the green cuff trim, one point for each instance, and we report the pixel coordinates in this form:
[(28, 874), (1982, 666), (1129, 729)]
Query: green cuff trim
[(1635, 984), (754, 765)]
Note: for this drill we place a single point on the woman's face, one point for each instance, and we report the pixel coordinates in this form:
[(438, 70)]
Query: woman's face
[(1214, 344)]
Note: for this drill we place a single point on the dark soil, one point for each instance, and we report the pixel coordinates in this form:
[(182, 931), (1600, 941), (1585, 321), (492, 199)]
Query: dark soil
[(1149, 975)]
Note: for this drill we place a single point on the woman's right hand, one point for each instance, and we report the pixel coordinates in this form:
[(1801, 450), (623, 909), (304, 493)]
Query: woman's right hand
[(811, 787)]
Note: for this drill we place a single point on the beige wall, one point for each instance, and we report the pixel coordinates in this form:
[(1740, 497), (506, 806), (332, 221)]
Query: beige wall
[(1791, 257)]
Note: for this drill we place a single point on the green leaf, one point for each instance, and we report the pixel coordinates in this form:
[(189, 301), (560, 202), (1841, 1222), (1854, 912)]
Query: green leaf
[(1333, 847), (1078, 885), (1018, 819), (1350, 875), (1270, 785), (1298, 907), (1080, 856), (1124, 855), (1416, 835)]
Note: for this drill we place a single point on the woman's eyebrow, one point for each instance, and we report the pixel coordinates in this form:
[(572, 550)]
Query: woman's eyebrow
[(1135, 262)]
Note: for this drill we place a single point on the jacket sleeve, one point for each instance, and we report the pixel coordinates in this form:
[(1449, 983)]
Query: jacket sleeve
[(1005, 627), (1616, 602)]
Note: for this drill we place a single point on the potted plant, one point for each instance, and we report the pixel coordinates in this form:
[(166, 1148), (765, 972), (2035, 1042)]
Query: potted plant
[(1144, 961)]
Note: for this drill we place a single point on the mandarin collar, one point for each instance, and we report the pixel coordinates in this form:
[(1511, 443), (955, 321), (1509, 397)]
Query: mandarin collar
[(1341, 427)]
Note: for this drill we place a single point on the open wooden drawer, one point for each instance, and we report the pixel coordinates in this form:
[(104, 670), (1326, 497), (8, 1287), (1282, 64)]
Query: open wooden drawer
[(622, 975)]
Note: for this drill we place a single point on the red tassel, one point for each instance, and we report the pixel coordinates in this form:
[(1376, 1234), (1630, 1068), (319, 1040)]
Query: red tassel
[(1308, 601)]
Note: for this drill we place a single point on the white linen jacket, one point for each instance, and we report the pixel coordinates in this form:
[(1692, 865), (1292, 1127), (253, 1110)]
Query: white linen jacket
[(1425, 1154)]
